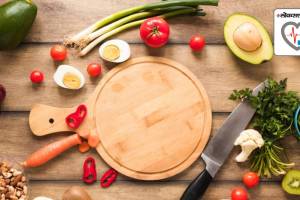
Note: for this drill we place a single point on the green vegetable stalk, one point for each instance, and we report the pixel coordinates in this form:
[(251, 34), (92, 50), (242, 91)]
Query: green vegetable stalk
[(274, 117), (84, 41), (122, 20), (103, 37)]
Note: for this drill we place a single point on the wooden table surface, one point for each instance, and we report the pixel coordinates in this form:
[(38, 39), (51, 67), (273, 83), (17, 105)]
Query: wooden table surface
[(218, 70)]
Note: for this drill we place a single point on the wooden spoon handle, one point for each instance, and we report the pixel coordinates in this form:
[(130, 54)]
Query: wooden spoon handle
[(44, 120)]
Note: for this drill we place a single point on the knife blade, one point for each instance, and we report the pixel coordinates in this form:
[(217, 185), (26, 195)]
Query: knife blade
[(220, 146)]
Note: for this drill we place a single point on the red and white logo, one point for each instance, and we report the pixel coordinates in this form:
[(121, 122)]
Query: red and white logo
[(287, 31)]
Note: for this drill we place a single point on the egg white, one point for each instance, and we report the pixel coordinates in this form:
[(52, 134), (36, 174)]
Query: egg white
[(123, 47), (62, 70)]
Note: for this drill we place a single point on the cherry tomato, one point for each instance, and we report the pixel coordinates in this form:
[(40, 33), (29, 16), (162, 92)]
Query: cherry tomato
[(94, 69), (239, 194), (155, 32), (251, 179), (2, 93), (36, 76), (197, 43), (58, 53)]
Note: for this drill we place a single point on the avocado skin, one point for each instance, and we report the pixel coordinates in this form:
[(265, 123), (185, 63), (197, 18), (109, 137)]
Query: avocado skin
[(16, 19), (268, 49)]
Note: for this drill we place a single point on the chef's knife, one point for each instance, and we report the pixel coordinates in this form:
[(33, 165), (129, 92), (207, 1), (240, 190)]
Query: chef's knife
[(220, 146)]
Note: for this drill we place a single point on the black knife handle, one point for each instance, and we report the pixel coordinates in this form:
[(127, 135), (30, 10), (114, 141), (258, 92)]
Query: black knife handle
[(197, 187)]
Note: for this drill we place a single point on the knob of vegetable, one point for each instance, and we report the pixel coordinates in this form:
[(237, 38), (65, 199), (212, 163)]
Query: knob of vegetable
[(16, 19)]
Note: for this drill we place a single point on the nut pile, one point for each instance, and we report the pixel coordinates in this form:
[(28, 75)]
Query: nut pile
[(12, 183)]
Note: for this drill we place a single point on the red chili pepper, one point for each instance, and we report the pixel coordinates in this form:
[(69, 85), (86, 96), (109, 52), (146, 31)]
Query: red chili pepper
[(108, 178), (75, 119), (89, 171)]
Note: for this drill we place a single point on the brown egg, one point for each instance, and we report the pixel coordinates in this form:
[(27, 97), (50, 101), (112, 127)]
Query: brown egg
[(76, 193), (247, 37)]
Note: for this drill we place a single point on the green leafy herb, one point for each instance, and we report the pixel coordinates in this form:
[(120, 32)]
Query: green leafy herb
[(274, 117)]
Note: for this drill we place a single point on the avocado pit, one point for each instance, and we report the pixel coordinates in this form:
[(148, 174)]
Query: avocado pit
[(247, 37)]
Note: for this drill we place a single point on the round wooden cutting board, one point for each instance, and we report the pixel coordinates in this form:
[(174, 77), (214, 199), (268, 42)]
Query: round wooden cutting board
[(153, 118)]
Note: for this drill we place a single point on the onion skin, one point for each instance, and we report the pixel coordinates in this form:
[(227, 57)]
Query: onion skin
[(247, 37), (76, 193)]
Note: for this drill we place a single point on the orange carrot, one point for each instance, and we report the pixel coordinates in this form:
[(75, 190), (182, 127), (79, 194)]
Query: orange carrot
[(84, 147), (84, 134), (50, 151), (93, 140)]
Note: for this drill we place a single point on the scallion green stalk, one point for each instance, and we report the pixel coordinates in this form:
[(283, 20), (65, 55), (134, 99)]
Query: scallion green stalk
[(126, 12), (103, 37), (141, 15), (89, 38)]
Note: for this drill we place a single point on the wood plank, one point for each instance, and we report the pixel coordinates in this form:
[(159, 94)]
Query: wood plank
[(57, 19), (21, 143), (157, 190), (218, 70)]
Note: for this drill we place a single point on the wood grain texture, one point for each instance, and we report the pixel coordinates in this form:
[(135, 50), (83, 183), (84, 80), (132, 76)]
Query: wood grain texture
[(154, 103), (139, 111), (126, 190), (19, 142), (57, 19), (218, 70)]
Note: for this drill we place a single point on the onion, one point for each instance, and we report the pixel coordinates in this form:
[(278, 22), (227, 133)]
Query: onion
[(76, 193)]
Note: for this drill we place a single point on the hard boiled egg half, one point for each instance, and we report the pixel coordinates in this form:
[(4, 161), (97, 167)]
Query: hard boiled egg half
[(69, 77), (116, 51)]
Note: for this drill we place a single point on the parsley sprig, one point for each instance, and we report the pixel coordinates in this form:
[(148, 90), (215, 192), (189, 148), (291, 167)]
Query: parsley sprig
[(274, 117)]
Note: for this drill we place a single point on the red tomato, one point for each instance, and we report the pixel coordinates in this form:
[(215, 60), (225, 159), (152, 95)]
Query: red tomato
[(239, 194), (94, 69), (251, 179), (36, 77), (58, 53), (155, 32), (197, 43)]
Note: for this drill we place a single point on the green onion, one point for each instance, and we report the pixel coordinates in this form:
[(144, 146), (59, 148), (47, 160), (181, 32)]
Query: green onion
[(131, 25), (75, 40), (89, 38), (84, 40)]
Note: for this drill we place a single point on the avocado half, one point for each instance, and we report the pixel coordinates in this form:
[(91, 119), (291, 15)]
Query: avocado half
[(262, 53)]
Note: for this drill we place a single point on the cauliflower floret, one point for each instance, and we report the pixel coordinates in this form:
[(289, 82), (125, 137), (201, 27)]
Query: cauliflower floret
[(249, 140)]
